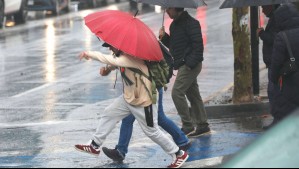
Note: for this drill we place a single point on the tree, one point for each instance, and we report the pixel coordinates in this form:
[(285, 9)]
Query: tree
[(243, 90)]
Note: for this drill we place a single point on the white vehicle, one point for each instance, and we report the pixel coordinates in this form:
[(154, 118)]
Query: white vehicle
[(15, 8)]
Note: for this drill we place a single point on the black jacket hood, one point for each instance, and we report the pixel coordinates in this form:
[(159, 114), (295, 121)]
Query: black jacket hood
[(286, 17)]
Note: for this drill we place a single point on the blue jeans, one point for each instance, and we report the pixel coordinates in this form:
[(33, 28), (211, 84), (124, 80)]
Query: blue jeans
[(168, 125)]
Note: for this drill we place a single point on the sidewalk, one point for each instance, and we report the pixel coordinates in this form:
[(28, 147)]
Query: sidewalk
[(221, 102)]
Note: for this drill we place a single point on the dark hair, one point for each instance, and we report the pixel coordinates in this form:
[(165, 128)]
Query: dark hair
[(118, 53), (179, 9), (106, 45)]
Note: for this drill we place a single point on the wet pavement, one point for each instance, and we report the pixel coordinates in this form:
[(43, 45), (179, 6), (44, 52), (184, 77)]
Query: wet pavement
[(49, 100)]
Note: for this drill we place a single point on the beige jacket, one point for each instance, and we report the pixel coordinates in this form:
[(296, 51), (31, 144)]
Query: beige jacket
[(135, 94)]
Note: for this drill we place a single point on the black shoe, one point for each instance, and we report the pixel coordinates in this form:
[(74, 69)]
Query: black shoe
[(113, 154), (185, 147), (188, 131), (200, 131)]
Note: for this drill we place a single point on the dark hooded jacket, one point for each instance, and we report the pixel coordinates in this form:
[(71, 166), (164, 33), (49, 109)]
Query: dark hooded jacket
[(287, 20), (185, 41), (268, 36)]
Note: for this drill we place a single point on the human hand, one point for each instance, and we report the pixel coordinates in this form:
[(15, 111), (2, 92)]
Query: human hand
[(84, 55), (161, 32), (104, 71), (258, 31)]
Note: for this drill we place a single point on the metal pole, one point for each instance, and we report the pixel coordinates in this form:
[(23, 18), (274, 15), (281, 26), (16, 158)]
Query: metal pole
[(163, 17), (254, 49)]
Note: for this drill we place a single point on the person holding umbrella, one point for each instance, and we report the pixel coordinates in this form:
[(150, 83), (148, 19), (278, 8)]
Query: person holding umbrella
[(186, 46), (118, 154), (135, 98), (267, 36)]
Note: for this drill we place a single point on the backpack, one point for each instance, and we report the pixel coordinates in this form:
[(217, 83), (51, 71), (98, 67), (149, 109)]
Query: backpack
[(160, 72), (158, 75), (168, 58)]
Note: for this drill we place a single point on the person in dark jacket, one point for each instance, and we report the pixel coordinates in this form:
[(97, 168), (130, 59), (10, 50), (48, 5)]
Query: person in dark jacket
[(268, 36), (186, 46), (287, 20)]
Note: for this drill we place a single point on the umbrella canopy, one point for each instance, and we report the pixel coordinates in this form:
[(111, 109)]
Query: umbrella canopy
[(244, 3), (175, 3), (125, 32)]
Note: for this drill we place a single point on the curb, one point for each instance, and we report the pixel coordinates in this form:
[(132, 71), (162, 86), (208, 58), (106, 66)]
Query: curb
[(230, 110), (233, 110)]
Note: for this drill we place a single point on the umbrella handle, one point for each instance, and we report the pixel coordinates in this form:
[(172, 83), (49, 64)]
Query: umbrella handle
[(163, 18), (259, 17), (136, 13)]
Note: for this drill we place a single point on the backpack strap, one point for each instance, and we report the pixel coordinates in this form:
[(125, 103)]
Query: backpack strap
[(153, 96), (140, 72), (149, 115), (286, 40), (126, 79)]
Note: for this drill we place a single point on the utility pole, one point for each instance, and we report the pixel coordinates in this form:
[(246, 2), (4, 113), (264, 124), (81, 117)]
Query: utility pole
[(254, 20)]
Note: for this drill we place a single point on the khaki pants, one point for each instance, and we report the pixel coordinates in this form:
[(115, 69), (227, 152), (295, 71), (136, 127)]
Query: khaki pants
[(186, 85)]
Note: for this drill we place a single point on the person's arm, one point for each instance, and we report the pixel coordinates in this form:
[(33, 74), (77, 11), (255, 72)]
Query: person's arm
[(123, 60), (267, 36), (196, 42), (106, 70)]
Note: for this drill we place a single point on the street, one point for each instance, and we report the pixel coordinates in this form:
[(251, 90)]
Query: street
[(50, 100)]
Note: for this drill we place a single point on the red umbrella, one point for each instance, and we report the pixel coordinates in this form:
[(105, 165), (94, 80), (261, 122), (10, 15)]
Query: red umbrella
[(125, 32)]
